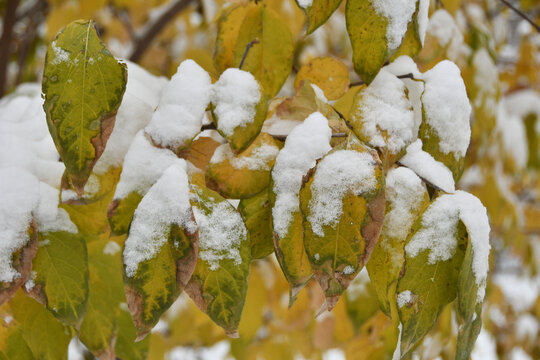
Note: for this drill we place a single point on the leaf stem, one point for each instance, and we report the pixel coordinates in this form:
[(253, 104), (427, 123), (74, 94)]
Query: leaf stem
[(248, 46)]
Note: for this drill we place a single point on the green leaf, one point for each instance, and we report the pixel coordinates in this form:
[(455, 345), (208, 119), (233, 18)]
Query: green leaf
[(339, 242), (98, 329), (125, 346), (367, 32), (432, 285), (46, 337), (257, 214), (270, 59), (219, 284), (83, 86), (120, 212), (21, 261), (406, 199), (243, 175), (469, 309), (319, 12), (12, 344), (61, 275)]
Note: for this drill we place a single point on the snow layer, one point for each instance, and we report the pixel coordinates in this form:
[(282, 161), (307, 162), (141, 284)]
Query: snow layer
[(182, 106), (447, 108), (259, 159), (386, 114), (304, 4), (405, 193), (423, 20), (49, 217), (235, 97), (141, 97), (305, 144), (143, 166), (20, 196), (398, 13), (404, 298), (523, 103), (513, 134), (166, 203), (485, 347), (221, 232), (443, 27), (337, 174), (438, 230), (425, 166)]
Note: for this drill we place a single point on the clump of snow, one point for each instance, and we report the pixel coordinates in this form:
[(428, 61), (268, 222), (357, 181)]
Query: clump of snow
[(221, 232), (398, 13), (486, 80), (523, 103), (519, 291), (20, 196), (385, 113), (438, 233), (49, 217), (443, 27), (423, 20), (447, 108), (513, 134), (305, 144), (30, 283), (518, 353), (333, 354), (143, 91), (337, 174), (304, 4), (404, 298), (348, 270), (425, 166), (111, 248), (143, 166), (166, 203), (405, 193), (526, 328), (472, 176), (178, 118), (397, 351), (235, 97), (259, 159), (485, 347), (60, 55)]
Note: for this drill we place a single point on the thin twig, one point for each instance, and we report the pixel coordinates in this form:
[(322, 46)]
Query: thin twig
[(144, 41), (404, 76), (248, 46), (522, 14), (123, 16), (5, 42)]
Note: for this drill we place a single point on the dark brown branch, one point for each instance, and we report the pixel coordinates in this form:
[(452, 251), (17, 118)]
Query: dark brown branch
[(248, 46), (6, 42), (404, 76), (211, 126), (522, 14), (143, 42)]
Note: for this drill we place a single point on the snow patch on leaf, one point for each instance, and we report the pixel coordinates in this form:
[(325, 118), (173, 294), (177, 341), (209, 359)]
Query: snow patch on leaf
[(398, 13), (259, 159), (166, 203), (339, 173), (305, 144)]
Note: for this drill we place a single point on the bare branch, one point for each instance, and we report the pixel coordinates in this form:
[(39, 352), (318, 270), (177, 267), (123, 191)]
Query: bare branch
[(404, 76), (6, 41), (142, 42), (522, 14), (248, 46)]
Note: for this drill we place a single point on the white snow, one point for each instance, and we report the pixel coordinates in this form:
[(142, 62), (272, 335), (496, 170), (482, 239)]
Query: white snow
[(486, 81), (337, 174), (166, 203), (447, 108), (425, 166), (438, 231), (398, 13), (20, 196), (397, 351), (221, 233), (523, 103), (218, 351), (259, 159), (141, 97), (348, 270), (235, 97), (485, 347), (513, 134), (304, 4), (305, 144), (385, 113), (49, 217), (182, 106), (442, 26), (404, 298), (358, 286), (423, 20), (526, 328), (143, 166), (405, 193), (518, 353), (333, 354), (60, 55), (111, 248), (520, 292)]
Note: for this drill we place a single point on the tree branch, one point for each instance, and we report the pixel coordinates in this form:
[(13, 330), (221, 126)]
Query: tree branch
[(404, 76), (522, 14), (248, 46), (5, 42), (142, 42)]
